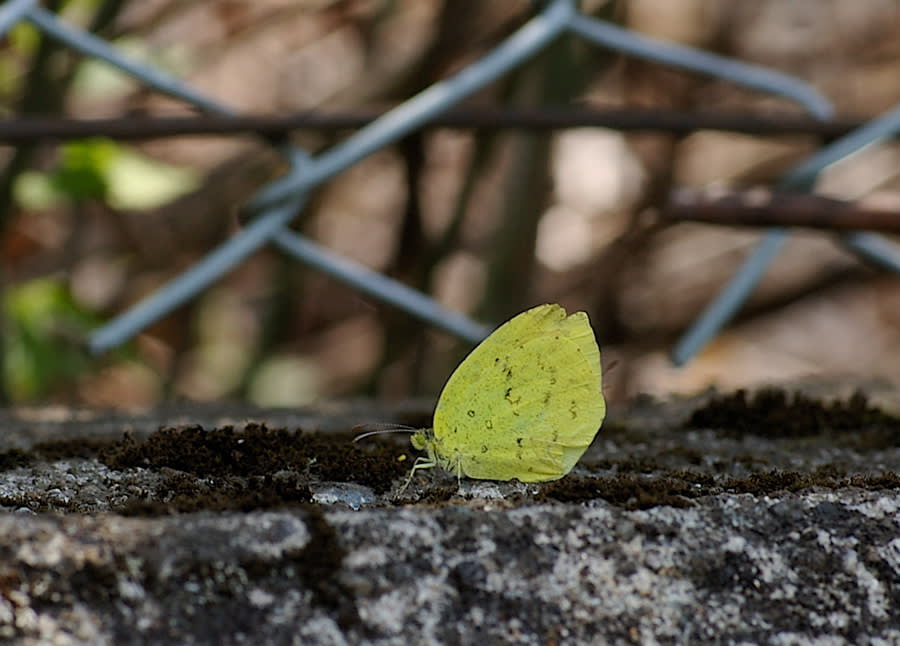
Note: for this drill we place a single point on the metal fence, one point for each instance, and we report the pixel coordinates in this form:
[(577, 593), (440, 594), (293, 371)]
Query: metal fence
[(269, 212)]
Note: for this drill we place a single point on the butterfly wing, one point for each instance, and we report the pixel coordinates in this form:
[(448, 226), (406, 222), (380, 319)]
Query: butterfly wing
[(526, 403)]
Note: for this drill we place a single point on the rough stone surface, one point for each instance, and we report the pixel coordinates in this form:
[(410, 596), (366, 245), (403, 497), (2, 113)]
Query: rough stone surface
[(666, 533)]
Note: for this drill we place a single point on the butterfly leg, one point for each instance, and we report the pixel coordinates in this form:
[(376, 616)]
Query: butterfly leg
[(421, 462)]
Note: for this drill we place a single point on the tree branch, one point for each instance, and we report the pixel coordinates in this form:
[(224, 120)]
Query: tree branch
[(763, 208), (31, 129)]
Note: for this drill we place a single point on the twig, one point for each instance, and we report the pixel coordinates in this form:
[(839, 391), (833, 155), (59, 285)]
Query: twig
[(763, 208), (31, 129)]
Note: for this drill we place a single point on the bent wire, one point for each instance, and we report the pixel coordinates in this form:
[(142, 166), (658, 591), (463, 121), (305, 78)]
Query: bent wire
[(14, 11), (277, 203), (91, 45), (377, 285), (874, 248), (263, 229)]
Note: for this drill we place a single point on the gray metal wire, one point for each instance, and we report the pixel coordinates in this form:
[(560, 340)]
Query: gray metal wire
[(368, 282), (736, 292), (13, 12), (90, 45), (873, 248), (700, 62), (275, 205), (280, 201)]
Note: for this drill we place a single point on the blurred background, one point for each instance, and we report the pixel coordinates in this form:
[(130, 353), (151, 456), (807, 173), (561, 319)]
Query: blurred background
[(489, 221)]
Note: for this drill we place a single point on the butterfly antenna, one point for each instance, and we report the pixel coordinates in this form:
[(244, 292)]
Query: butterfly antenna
[(382, 431)]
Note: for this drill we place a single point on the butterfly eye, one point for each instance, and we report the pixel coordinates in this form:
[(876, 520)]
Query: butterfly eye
[(419, 440)]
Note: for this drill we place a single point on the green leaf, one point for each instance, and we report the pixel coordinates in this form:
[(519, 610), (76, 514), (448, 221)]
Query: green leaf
[(83, 169), (43, 347)]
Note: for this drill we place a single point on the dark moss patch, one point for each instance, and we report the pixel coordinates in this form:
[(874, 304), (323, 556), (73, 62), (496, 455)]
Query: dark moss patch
[(629, 492), (678, 488), (641, 464), (15, 458), (638, 465), (257, 450), (251, 468), (829, 471), (760, 484), (184, 493), (243, 468), (84, 448), (696, 479), (875, 482), (775, 413)]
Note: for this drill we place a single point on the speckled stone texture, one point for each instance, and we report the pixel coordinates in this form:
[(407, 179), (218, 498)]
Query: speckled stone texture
[(732, 569), (755, 539)]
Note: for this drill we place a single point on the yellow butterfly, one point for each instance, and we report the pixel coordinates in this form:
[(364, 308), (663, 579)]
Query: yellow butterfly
[(526, 403)]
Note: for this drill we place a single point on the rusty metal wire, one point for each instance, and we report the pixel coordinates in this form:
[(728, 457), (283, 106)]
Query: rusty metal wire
[(138, 128)]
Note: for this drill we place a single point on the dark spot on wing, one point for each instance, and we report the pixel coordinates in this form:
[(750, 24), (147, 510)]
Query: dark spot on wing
[(471, 413), (519, 440), (484, 448), (553, 380), (573, 409), (509, 373), (546, 398)]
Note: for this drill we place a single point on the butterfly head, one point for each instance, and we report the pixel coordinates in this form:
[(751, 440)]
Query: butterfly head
[(425, 440), (422, 439)]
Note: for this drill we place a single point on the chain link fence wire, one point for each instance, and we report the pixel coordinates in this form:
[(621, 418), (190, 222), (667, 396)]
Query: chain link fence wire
[(268, 213), (873, 248)]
